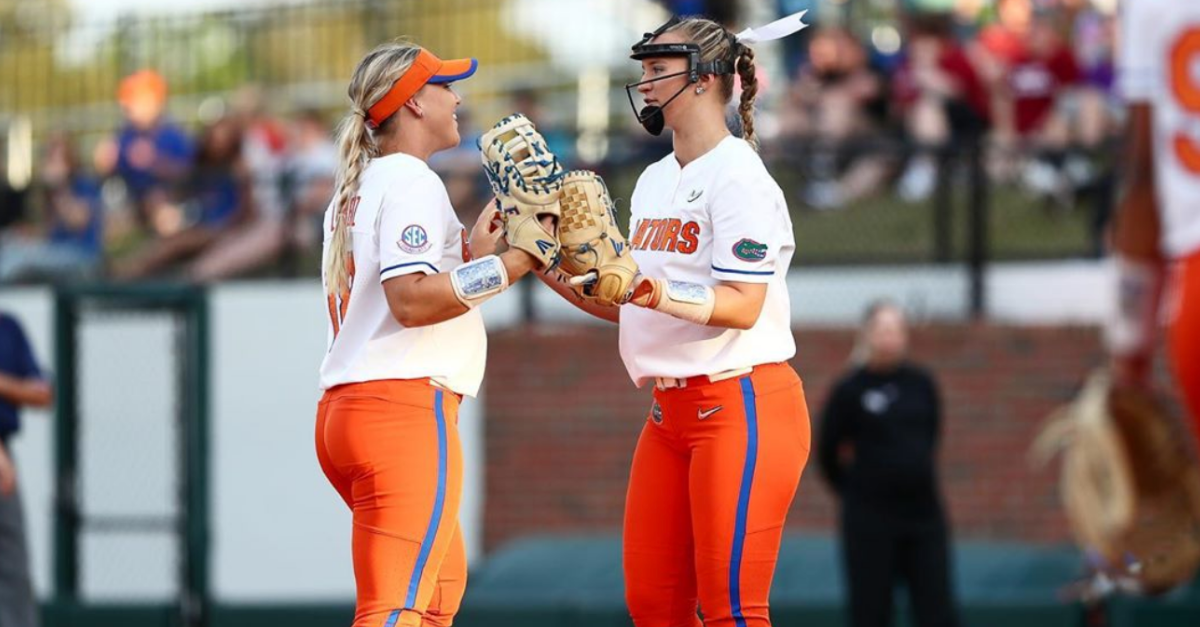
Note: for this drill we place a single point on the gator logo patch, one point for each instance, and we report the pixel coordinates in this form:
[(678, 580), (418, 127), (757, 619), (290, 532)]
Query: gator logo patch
[(656, 413), (749, 250)]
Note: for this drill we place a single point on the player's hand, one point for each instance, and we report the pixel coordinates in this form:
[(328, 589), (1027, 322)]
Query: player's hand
[(551, 224), (646, 292), (527, 261), (488, 232), (8, 474)]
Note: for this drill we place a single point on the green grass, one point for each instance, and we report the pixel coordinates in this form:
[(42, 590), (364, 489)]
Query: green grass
[(884, 228)]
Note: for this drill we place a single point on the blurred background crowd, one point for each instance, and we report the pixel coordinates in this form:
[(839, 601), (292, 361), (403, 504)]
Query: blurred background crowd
[(198, 147)]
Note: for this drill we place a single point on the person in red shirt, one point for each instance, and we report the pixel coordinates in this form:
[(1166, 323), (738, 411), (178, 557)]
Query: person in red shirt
[(940, 98), (1035, 80)]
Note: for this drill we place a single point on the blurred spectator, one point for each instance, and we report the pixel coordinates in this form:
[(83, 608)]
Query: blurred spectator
[(968, 17), (1036, 81), (1033, 64), (21, 385), (69, 243), (259, 239), (264, 149), (939, 98), (836, 98), (877, 448), (153, 153), (309, 177), (1092, 118), (215, 198), (1096, 114)]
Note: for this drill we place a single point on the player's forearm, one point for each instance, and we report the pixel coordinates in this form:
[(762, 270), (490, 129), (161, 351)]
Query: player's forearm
[(425, 301), (725, 305), (29, 392), (735, 309), (556, 282), (422, 300), (1136, 229), (517, 263)]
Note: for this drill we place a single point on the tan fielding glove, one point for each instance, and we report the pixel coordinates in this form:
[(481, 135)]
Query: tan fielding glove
[(594, 253), (1130, 487), (526, 178)]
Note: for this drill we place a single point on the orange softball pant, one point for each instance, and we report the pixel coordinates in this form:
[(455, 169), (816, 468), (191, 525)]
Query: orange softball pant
[(1185, 336), (391, 450), (713, 475)]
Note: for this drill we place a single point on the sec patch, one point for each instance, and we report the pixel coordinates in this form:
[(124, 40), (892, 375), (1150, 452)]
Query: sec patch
[(413, 239), (749, 250)]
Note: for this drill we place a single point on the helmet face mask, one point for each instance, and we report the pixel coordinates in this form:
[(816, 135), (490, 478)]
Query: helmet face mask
[(651, 116)]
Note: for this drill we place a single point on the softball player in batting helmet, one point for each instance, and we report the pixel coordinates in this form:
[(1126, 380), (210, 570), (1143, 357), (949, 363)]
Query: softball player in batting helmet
[(1158, 223), (709, 326), (405, 340)]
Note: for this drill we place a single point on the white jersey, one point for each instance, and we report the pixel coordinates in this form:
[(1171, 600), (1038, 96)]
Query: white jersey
[(720, 218), (402, 223), (1160, 65)]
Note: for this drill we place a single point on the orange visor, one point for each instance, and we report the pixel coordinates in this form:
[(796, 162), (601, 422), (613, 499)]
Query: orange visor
[(426, 68)]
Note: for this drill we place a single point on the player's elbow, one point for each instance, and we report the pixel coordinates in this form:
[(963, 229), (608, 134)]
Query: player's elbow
[(743, 322), (408, 314), (405, 301)]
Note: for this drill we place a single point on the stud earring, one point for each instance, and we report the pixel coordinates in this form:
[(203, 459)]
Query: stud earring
[(699, 90)]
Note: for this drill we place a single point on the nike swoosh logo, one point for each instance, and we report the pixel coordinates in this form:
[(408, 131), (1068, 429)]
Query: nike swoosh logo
[(703, 414), (696, 193)]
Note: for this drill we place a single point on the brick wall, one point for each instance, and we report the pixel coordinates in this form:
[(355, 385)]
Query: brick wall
[(561, 432)]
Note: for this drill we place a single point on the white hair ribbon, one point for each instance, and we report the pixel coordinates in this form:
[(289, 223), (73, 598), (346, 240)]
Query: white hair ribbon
[(775, 30)]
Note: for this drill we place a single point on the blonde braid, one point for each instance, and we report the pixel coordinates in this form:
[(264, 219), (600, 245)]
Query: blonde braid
[(357, 145), (746, 71)]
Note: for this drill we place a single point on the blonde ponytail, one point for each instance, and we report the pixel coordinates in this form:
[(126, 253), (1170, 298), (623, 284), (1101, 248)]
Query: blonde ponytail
[(357, 145), (746, 71)]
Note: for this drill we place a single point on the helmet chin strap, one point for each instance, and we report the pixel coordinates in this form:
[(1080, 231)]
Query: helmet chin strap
[(651, 116)]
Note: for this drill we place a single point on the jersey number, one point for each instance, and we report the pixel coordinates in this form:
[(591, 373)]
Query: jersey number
[(1185, 84)]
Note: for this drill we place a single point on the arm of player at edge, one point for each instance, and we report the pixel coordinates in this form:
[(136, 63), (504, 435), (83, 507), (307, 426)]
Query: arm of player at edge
[(1136, 228), (1136, 234)]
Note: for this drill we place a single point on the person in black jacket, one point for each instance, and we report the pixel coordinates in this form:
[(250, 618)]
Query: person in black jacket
[(877, 448)]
